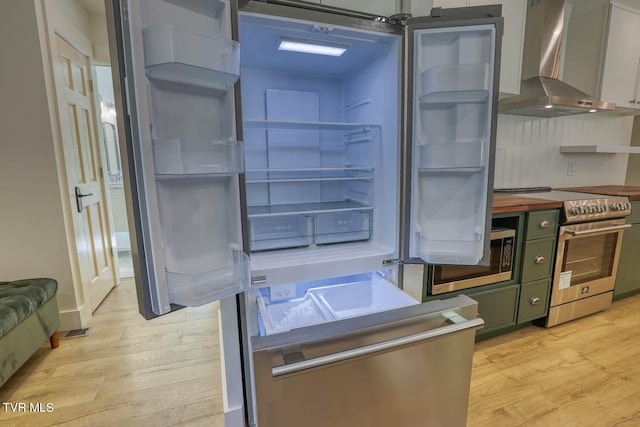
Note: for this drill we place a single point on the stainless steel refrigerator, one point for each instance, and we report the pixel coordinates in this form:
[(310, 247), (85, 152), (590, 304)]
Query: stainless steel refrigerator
[(302, 164)]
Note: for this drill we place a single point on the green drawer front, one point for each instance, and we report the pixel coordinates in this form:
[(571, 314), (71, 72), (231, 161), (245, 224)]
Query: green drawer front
[(542, 224), (537, 262), (534, 300), (497, 307)]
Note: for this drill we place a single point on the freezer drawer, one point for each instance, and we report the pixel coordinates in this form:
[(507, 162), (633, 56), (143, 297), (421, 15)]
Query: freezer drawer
[(406, 367)]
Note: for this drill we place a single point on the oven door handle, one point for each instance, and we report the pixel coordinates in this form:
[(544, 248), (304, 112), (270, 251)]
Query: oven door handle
[(597, 230)]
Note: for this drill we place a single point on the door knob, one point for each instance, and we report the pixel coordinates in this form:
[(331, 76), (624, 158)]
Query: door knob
[(79, 197)]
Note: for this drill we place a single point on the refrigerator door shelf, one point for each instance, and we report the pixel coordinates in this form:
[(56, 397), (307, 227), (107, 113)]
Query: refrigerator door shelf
[(195, 289), (210, 8), (456, 83), (459, 252), (179, 55), (451, 155), (197, 156)]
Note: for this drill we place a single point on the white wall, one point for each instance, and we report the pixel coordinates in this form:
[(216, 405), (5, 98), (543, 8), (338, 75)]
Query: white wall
[(33, 239), (528, 151)]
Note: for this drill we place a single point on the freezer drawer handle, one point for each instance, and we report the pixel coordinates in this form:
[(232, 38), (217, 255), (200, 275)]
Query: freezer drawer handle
[(378, 347), (598, 230)]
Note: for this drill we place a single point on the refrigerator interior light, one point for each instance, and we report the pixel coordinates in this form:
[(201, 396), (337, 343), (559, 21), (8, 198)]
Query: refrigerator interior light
[(317, 47)]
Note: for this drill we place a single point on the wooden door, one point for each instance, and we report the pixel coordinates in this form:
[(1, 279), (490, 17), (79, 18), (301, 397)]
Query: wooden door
[(84, 172)]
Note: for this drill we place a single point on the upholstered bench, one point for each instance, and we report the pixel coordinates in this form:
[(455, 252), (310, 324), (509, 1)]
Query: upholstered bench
[(28, 317)]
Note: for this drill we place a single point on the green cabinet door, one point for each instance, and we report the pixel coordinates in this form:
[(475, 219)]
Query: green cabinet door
[(628, 277), (497, 307)]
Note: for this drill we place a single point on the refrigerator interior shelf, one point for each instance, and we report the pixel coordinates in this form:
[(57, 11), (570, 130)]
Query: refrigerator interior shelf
[(456, 83), (175, 54), (306, 208), (354, 129), (210, 8), (308, 175), (451, 155), (452, 170), (194, 289), (465, 252), (197, 157)]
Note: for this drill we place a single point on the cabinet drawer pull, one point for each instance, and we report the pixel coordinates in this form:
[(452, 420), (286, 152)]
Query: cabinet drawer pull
[(544, 224), (535, 300), (539, 259)]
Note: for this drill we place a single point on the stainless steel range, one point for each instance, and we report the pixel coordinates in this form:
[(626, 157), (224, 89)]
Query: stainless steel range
[(589, 241)]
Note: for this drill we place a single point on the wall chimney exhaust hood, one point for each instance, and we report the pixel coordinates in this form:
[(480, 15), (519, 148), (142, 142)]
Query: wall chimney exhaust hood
[(541, 93)]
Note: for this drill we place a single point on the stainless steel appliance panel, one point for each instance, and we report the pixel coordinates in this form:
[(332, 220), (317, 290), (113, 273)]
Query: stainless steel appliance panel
[(419, 358)]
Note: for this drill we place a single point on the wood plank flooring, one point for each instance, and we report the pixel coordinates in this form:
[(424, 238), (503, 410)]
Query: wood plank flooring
[(127, 371), (165, 372)]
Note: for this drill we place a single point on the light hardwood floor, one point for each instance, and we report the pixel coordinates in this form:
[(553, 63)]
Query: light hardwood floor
[(165, 372), (127, 371)]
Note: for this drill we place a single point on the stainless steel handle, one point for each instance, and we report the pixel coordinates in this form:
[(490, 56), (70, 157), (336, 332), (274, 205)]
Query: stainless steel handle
[(544, 224), (598, 230), (539, 259), (375, 348), (535, 300), (79, 197)]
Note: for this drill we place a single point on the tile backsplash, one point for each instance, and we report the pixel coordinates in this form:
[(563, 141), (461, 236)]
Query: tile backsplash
[(528, 153)]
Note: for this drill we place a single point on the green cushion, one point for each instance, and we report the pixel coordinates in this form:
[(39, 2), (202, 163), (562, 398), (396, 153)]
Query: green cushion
[(20, 298)]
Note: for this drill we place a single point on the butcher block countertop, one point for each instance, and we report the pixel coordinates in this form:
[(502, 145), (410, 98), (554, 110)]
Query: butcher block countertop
[(503, 203), (633, 193)]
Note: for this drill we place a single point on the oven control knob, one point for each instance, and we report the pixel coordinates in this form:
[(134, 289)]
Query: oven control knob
[(594, 209), (576, 210), (616, 206), (604, 208), (627, 206)]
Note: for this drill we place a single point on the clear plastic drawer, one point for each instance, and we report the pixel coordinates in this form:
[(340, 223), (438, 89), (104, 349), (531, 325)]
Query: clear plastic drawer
[(279, 232), (336, 227)]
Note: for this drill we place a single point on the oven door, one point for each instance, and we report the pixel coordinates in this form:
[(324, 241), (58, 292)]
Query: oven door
[(587, 260)]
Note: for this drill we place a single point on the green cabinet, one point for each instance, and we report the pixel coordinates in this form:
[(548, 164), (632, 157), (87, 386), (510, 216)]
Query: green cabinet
[(534, 300), (538, 259), (497, 307), (628, 276)]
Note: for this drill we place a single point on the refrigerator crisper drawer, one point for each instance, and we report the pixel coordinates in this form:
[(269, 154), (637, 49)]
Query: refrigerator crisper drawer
[(195, 289), (197, 156), (336, 227), (177, 54), (279, 232), (322, 304)]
